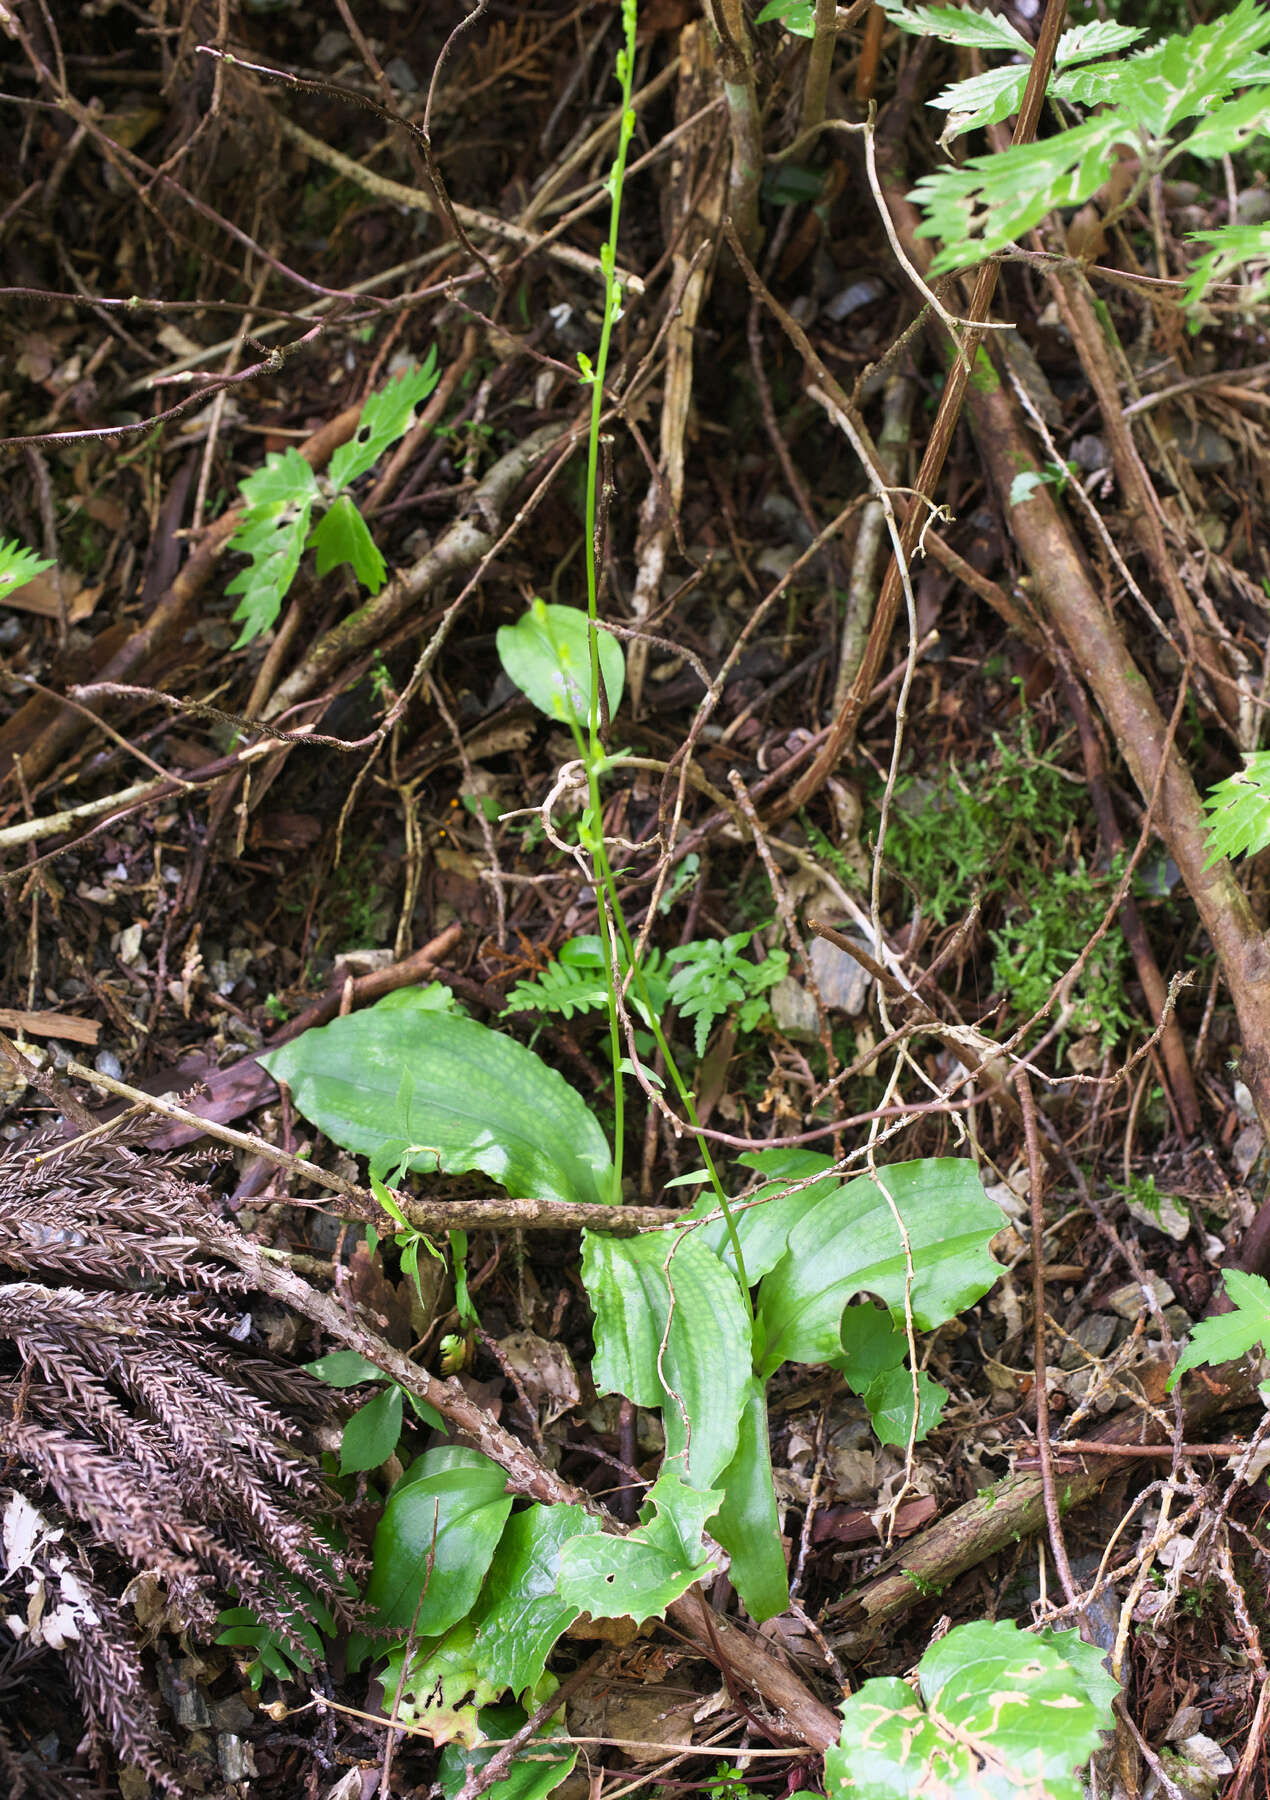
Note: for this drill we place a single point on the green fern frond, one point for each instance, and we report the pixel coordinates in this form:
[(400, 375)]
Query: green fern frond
[(1239, 806), (575, 983)]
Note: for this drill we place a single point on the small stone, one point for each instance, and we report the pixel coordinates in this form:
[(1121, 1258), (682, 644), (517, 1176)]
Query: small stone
[(234, 1757), (1162, 1213), (1128, 1301), (107, 1063), (1091, 1337), (794, 1010), (843, 983)]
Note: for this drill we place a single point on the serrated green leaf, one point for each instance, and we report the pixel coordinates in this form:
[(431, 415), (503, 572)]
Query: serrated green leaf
[(387, 415), (707, 1356), (345, 1368), (1232, 247), (1231, 126), (547, 653), (1002, 1714), (447, 1511), (372, 1434), (341, 536), (994, 198), (1227, 1336), (474, 1099), (849, 1243), (538, 1770), (746, 1524), (520, 1614), (1098, 37), (980, 100), (959, 25), (273, 532), (1240, 809), (640, 1574), (18, 566), (575, 983)]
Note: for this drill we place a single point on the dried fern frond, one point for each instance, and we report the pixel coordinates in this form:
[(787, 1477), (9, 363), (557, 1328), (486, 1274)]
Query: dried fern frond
[(131, 1417)]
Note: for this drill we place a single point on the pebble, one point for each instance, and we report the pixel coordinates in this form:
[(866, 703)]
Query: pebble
[(1128, 1301)]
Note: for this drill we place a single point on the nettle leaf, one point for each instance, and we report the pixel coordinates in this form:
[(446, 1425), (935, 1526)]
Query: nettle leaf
[(1100, 37), (1240, 811), (849, 1244), (18, 566), (639, 1575), (1232, 126), (957, 25), (1002, 1714), (1231, 248), (372, 1434), (274, 530), (980, 100), (520, 1613), (1227, 1336), (435, 1541), (747, 1524), (994, 198), (707, 1357), (341, 536), (457, 1096), (539, 1768), (387, 415), (547, 653)]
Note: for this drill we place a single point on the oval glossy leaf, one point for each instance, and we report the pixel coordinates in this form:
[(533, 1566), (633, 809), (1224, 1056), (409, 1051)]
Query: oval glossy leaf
[(464, 1096), (449, 1508), (345, 1368), (849, 1243), (1002, 1713), (746, 1524), (371, 1435), (547, 653), (520, 1615), (707, 1357)]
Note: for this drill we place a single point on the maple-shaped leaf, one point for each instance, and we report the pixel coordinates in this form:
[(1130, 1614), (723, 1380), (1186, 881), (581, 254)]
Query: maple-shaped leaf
[(274, 529), (341, 536), (387, 415)]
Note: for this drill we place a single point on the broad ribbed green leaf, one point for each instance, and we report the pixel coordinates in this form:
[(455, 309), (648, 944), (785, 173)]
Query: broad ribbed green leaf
[(463, 1096), (1002, 1714), (659, 1559), (707, 1356), (746, 1524), (449, 1509), (520, 1614), (849, 1243), (547, 653), (764, 1220)]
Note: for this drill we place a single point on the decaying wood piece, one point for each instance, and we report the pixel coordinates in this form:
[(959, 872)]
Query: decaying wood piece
[(1013, 1509)]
